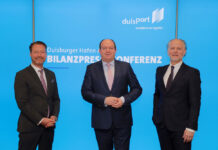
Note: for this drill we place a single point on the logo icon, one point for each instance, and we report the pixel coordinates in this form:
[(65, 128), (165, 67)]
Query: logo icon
[(157, 15)]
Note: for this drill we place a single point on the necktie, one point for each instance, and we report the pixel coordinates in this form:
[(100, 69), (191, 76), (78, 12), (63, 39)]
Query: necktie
[(170, 79), (44, 86), (110, 76), (43, 80)]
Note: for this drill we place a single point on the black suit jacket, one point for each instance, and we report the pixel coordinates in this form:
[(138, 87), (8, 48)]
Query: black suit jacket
[(95, 90), (32, 99), (178, 108)]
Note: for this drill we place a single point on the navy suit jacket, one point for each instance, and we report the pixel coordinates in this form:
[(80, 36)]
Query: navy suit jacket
[(95, 90), (178, 108), (32, 99)]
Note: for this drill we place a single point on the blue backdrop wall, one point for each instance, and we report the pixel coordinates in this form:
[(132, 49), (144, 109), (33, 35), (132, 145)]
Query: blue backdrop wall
[(15, 36), (198, 26), (141, 30)]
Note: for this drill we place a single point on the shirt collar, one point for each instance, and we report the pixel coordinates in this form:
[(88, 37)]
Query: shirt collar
[(105, 63), (178, 65), (36, 68)]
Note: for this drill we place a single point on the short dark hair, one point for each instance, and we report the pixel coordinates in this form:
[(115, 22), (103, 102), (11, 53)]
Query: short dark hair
[(183, 41), (37, 42), (107, 39)]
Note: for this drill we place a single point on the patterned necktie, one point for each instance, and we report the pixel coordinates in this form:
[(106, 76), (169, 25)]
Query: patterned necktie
[(170, 79), (110, 76), (43, 81)]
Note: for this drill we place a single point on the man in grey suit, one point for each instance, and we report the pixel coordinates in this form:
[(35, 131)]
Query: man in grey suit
[(37, 97), (176, 100)]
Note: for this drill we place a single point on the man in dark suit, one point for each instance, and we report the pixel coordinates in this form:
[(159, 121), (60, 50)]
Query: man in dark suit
[(106, 85), (176, 100), (37, 97)]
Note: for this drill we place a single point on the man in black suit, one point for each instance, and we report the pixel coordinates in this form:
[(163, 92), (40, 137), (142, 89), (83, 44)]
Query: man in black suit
[(37, 97), (176, 100), (106, 85)]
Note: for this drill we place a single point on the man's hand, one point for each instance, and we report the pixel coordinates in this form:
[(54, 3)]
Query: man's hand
[(118, 104), (53, 118), (188, 136), (47, 122), (110, 101), (51, 124)]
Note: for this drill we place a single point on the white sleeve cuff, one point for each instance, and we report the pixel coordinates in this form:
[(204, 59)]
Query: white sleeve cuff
[(191, 130), (39, 122), (123, 99), (105, 105)]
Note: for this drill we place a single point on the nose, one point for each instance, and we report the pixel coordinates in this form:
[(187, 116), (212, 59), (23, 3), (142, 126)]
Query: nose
[(175, 50), (40, 54), (108, 50)]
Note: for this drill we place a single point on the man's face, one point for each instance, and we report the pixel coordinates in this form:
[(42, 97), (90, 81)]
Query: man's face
[(38, 55), (107, 51), (176, 51)]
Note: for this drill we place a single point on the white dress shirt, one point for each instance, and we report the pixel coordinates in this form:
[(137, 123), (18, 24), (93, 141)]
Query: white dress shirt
[(167, 74), (38, 73), (105, 67)]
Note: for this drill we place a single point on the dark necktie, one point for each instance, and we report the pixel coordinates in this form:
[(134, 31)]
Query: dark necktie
[(170, 79)]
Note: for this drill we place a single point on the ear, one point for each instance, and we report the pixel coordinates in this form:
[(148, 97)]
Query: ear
[(168, 52), (184, 53)]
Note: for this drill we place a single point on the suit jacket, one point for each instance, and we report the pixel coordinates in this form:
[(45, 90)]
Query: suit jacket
[(95, 90), (178, 108), (32, 99)]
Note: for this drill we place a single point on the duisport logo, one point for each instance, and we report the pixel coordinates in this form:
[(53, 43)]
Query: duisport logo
[(156, 16)]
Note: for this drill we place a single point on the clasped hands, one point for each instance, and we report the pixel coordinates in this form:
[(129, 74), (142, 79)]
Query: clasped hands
[(113, 102), (49, 122)]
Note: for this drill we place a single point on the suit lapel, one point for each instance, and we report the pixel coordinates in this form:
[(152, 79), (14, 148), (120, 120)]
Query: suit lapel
[(178, 75), (176, 79), (35, 76), (102, 75), (162, 77), (116, 73), (48, 78)]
